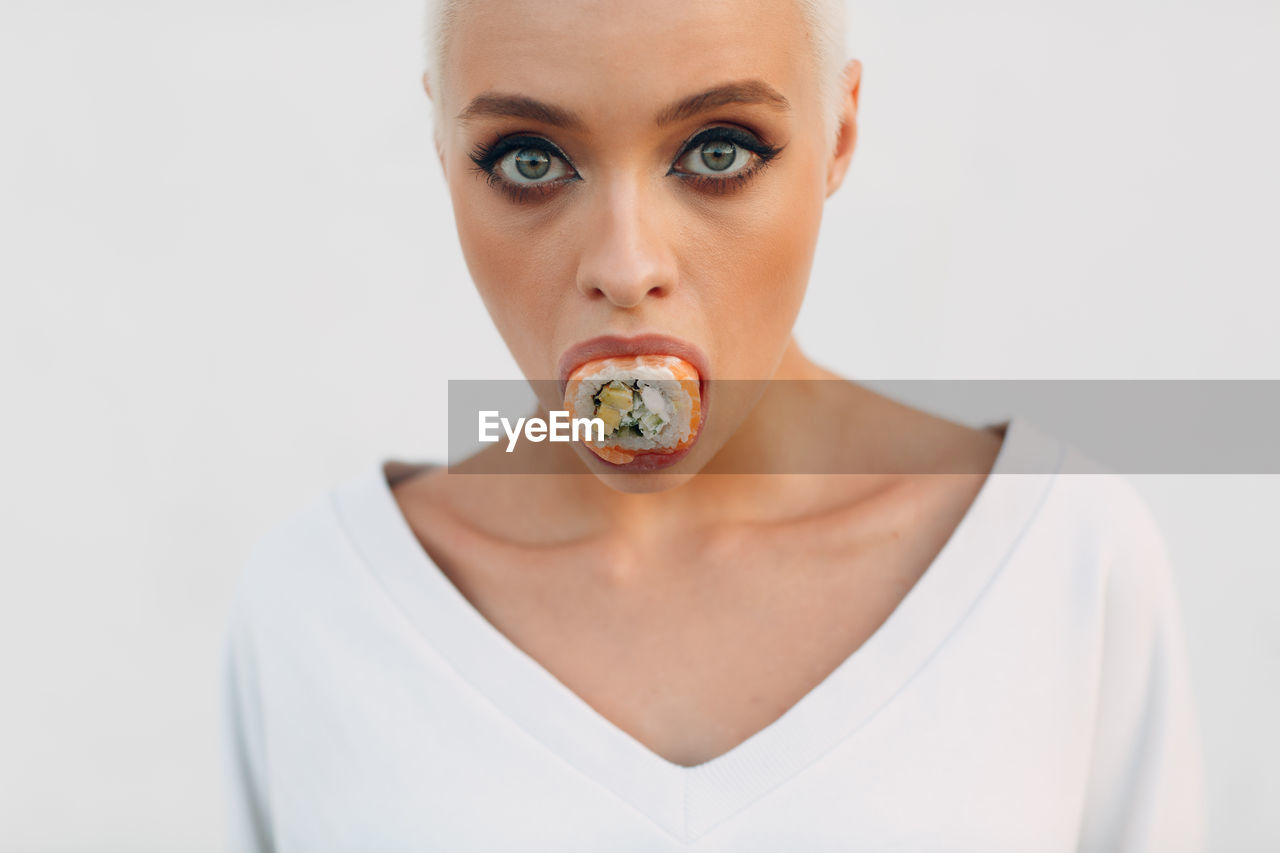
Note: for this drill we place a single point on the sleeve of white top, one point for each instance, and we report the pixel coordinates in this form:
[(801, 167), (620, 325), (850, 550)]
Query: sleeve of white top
[(1145, 792), (242, 746)]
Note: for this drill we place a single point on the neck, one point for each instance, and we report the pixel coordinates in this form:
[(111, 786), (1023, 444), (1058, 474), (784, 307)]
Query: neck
[(788, 405)]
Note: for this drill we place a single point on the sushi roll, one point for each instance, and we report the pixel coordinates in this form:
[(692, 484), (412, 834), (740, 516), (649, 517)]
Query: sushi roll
[(649, 404)]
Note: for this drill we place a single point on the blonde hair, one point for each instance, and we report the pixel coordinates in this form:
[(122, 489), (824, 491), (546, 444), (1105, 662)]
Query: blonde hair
[(824, 20)]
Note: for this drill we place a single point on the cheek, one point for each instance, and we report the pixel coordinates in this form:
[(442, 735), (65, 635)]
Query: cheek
[(510, 265), (759, 256), (490, 258)]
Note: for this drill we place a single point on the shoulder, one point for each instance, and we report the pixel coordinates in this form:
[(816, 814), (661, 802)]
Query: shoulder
[(1105, 505), (293, 563), (1109, 533)]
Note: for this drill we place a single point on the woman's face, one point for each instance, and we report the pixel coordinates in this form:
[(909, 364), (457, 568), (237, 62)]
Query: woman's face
[(634, 168)]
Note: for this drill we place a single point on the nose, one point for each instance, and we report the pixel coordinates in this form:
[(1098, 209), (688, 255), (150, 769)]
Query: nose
[(625, 256)]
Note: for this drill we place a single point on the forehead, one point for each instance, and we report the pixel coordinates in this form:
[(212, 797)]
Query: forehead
[(614, 61)]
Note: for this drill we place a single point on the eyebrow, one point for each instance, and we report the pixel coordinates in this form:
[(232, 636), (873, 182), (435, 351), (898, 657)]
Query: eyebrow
[(496, 104)]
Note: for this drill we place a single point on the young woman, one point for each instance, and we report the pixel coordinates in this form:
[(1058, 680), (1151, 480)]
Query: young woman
[(947, 642)]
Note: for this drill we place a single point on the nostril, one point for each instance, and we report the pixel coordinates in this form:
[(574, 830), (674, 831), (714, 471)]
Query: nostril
[(624, 292)]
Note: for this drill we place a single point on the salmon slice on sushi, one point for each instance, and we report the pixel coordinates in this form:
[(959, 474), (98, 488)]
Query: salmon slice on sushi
[(648, 403)]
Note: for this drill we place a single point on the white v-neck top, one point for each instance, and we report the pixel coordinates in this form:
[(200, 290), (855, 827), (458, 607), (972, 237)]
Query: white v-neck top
[(1030, 693)]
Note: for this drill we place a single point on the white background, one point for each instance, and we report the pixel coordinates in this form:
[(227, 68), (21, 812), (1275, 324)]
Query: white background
[(231, 280)]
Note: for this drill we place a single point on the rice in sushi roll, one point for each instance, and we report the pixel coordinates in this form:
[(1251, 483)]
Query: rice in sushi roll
[(649, 404)]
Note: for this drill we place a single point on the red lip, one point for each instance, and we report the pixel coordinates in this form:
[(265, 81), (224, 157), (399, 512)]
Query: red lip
[(649, 461), (652, 344)]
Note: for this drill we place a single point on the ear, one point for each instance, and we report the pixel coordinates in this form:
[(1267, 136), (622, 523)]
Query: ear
[(847, 137), (426, 87)]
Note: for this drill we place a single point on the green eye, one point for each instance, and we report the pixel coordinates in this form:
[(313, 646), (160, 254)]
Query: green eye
[(716, 157), (719, 156), (527, 166), (725, 155), (532, 163)]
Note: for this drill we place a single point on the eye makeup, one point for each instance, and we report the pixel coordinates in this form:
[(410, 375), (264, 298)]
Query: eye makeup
[(740, 139), (489, 161)]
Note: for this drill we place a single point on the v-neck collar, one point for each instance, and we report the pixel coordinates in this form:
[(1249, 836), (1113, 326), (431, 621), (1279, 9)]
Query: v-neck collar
[(687, 802)]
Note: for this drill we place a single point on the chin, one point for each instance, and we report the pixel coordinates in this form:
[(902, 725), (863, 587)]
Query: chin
[(641, 484), (648, 472)]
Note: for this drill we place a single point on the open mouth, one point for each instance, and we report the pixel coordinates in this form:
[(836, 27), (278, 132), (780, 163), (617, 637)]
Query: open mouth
[(646, 398)]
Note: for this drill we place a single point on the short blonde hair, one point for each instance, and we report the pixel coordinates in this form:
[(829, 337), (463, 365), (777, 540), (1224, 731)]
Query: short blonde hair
[(825, 20)]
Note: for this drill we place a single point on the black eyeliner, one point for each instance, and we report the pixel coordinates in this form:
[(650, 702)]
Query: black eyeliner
[(485, 156), (738, 137)]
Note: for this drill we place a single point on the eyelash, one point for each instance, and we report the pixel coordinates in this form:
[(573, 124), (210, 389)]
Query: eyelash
[(486, 157)]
